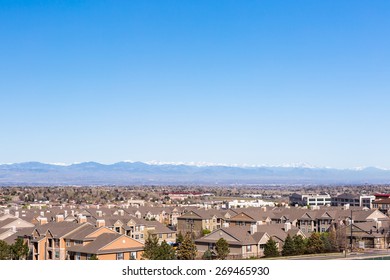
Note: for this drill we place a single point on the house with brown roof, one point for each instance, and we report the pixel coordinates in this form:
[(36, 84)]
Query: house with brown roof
[(241, 242), (162, 232), (195, 221), (382, 204), (250, 216), (108, 246), (47, 240), (371, 234), (247, 241)]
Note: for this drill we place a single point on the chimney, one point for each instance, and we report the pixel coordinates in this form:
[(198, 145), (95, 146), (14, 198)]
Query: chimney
[(378, 224), (65, 213), (42, 220), (17, 214), (59, 218), (13, 228), (82, 219), (287, 226), (264, 208), (100, 223), (72, 213), (253, 229), (121, 212), (6, 211), (99, 213), (225, 225), (42, 214), (346, 206), (98, 206)]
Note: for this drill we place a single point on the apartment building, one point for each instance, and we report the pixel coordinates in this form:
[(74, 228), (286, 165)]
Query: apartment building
[(108, 246), (310, 199), (354, 200)]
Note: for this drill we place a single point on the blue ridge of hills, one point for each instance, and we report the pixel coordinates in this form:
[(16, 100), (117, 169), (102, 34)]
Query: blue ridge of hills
[(129, 173)]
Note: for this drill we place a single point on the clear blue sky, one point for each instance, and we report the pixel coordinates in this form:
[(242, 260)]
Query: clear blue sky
[(236, 82)]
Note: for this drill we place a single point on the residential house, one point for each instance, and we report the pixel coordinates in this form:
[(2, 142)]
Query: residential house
[(108, 246), (241, 242)]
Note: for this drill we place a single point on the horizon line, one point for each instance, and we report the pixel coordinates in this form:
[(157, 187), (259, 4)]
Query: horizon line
[(205, 164)]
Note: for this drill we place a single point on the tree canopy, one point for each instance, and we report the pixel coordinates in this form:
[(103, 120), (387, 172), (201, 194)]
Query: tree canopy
[(187, 249), (151, 247), (270, 249), (222, 249), (288, 246)]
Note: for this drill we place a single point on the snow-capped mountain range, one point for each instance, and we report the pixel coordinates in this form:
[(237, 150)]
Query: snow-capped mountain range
[(162, 173)]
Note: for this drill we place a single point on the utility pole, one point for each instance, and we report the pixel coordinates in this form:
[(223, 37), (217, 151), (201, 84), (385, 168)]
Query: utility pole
[(351, 231)]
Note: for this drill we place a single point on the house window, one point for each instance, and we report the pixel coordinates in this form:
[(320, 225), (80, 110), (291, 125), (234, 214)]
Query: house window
[(77, 256), (160, 235), (248, 248), (169, 235), (133, 255), (57, 242), (67, 243), (57, 254), (119, 256), (78, 242), (142, 236)]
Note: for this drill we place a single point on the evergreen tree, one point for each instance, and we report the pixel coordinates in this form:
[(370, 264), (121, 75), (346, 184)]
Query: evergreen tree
[(5, 251), (222, 249), (207, 255), (165, 252), (288, 246), (270, 249), (314, 244), (327, 246), (187, 249), (179, 237), (151, 247), (299, 245), (19, 249)]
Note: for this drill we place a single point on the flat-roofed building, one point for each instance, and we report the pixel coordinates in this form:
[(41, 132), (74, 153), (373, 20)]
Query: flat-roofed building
[(311, 199), (354, 200)]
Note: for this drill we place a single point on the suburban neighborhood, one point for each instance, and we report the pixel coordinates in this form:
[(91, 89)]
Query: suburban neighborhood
[(127, 230)]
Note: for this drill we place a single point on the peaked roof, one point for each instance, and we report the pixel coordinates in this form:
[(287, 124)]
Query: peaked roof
[(60, 229), (97, 246), (240, 234)]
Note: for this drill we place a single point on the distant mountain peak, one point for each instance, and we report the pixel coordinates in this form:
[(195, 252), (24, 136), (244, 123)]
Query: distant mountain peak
[(136, 172)]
